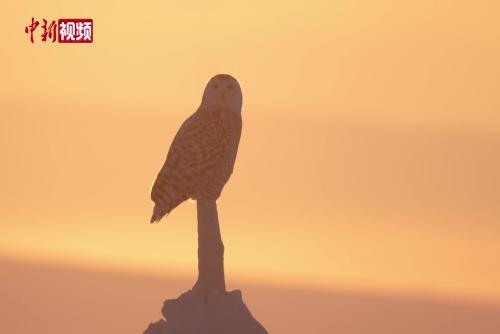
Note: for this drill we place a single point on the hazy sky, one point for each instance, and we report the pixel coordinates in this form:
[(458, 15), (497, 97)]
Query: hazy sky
[(369, 155)]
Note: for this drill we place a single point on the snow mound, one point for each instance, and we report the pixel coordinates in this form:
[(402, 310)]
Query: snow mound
[(215, 313)]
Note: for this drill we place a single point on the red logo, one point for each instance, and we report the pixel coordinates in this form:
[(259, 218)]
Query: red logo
[(65, 30), (75, 30)]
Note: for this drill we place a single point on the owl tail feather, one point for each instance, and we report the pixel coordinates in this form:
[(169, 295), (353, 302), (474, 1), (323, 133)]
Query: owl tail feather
[(158, 213)]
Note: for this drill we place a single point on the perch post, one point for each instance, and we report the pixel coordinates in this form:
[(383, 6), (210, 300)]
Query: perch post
[(210, 249)]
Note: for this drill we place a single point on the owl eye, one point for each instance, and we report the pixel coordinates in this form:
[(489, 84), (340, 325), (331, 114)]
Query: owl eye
[(216, 86), (230, 87)]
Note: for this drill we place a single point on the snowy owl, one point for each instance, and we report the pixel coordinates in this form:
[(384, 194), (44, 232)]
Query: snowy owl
[(202, 155)]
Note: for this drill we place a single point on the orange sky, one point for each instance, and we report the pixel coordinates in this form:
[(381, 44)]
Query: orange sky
[(369, 156)]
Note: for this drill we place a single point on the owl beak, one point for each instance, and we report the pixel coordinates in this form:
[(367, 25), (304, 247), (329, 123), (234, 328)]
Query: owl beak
[(222, 97)]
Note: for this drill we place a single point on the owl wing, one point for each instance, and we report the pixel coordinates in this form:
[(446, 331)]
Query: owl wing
[(174, 182)]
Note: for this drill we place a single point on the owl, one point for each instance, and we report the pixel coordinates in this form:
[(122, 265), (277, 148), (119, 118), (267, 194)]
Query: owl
[(202, 155)]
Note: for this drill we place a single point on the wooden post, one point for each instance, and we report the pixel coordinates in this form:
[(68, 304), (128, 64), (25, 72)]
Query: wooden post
[(210, 249)]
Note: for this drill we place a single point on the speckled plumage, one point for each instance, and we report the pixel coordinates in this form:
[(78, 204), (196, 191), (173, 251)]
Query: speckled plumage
[(202, 155)]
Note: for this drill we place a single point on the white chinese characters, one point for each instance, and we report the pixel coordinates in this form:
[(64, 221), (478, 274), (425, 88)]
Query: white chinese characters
[(77, 31)]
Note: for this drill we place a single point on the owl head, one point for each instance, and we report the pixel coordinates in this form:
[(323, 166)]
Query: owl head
[(223, 92)]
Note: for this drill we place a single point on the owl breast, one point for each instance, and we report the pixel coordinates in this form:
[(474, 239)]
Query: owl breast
[(217, 147)]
